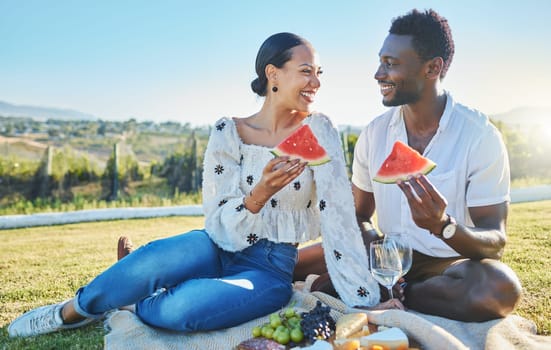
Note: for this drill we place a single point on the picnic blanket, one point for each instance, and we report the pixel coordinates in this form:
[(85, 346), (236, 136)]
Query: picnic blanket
[(126, 331)]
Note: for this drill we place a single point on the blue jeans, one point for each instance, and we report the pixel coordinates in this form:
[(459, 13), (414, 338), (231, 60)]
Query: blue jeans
[(202, 287)]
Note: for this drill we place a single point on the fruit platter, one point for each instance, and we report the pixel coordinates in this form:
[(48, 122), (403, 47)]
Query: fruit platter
[(316, 329)]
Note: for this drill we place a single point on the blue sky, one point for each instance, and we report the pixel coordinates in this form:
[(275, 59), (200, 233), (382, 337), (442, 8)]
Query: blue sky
[(192, 61)]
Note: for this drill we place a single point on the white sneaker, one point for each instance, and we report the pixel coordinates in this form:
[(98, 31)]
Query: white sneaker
[(45, 319)]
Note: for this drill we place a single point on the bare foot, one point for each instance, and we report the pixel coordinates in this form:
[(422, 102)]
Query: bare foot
[(124, 247)]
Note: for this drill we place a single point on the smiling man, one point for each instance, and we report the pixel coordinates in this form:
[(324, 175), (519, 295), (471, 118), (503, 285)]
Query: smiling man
[(455, 217)]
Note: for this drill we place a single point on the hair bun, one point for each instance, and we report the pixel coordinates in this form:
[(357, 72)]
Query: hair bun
[(258, 87)]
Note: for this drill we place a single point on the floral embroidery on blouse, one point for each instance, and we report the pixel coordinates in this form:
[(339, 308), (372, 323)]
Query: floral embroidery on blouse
[(338, 255), (362, 292), (220, 126), (252, 238), (296, 185), (322, 205), (219, 169)]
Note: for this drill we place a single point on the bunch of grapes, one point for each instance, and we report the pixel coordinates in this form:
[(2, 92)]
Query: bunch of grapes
[(284, 328), (317, 323)]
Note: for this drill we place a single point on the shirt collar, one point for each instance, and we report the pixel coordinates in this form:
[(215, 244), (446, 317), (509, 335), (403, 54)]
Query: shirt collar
[(397, 119), (446, 116)]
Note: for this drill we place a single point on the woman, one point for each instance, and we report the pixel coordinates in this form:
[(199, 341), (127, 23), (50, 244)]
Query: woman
[(257, 209)]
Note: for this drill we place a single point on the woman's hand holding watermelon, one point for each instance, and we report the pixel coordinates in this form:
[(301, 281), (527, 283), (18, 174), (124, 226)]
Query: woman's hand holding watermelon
[(277, 173), (428, 206)]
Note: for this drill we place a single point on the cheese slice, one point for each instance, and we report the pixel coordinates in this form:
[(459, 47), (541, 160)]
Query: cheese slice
[(392, 339), (346, 344), (360, 333), (349, 324)]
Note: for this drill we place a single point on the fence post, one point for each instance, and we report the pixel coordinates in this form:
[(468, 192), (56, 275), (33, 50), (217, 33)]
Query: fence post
[(49, 160), (43, 184), (346, 152), (195, 172), (115, 184)]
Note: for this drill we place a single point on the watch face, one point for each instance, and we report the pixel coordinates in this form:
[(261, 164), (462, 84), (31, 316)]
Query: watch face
[(449, 231)]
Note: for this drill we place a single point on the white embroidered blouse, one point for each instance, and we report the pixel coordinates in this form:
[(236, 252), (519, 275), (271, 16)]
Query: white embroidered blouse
[(318, 201)]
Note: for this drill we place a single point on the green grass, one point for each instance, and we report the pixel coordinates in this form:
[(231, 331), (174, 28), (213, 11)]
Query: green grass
[(528, 253), (44, 265), (47, 264)]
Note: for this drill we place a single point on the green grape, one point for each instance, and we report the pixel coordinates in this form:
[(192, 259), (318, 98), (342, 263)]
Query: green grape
[(264, 330), (294, 321), (296, 335), (257, 331), (283, 337), (275, 321), (289, 312), (269, 333)]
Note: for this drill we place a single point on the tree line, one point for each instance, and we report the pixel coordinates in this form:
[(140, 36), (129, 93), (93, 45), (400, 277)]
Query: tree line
[(63, 171)]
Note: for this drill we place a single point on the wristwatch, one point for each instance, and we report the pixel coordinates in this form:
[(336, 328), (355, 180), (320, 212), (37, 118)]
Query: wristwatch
[(449, 228)]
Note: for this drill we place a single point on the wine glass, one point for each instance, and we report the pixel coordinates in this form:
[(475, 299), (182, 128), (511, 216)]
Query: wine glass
[(385, 263), (401, 241)]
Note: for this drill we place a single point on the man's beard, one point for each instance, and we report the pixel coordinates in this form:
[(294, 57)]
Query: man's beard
[(402, 98)]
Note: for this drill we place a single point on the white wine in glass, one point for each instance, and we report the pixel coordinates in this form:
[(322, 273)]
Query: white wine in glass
[(385, 263), (401, 240)]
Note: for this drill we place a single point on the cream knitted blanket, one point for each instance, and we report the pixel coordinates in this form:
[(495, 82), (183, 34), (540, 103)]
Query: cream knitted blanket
[(430, 332)]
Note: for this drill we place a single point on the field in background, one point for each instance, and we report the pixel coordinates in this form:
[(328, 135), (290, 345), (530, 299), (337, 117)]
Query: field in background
[(47, 264)]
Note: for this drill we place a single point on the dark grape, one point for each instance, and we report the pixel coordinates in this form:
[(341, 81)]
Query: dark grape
[(317, 323)]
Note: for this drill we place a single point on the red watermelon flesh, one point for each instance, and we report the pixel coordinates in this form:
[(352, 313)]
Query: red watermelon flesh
[(303, 144), (402, 162)]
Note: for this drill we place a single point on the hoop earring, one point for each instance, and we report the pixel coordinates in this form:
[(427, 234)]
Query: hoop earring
[(274, 88)]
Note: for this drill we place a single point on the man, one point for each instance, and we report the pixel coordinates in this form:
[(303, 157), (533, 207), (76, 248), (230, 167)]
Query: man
[(455, 217)]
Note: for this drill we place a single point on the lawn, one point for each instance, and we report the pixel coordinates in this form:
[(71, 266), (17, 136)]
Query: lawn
[(43, 265)]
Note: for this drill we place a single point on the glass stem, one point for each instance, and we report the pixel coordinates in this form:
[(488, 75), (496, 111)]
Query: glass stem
[(390, 293)]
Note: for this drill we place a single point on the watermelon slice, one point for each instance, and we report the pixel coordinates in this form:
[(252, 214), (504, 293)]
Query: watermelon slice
[(302, 144), (402, 162)]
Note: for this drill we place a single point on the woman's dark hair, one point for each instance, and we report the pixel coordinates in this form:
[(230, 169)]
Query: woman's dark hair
[(275, 50), (432, 36)]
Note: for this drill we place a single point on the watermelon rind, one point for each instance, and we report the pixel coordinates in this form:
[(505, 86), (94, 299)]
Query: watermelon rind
[(402, 162), (295, 145), (312, 162), (404, 176)]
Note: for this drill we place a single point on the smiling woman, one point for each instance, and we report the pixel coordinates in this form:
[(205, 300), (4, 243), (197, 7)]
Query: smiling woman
[(258, 209)]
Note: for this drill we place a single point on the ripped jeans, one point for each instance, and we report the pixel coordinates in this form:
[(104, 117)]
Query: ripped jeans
[(187, 283)]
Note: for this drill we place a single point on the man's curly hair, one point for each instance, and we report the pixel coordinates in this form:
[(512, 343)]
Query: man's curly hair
[(432, 36)]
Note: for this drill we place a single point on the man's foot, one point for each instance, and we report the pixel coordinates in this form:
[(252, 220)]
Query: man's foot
[(124, 247), (45, 319)]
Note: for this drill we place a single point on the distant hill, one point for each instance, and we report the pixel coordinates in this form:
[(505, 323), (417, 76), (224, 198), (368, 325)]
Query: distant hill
[(525, 116), (42, 113)]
